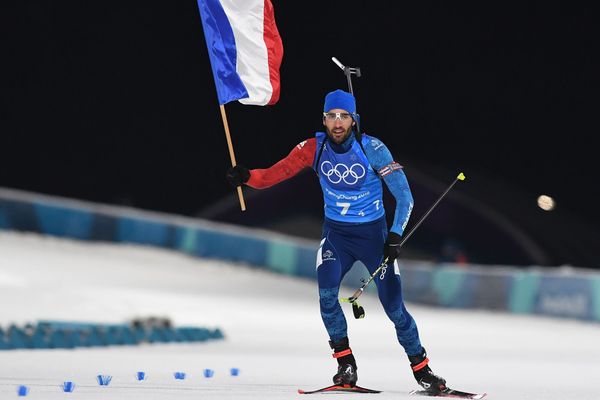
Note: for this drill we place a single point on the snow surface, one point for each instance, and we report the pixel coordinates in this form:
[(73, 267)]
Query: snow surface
[(273, 330)]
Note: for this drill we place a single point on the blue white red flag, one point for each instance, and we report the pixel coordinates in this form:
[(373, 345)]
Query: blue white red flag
[(245, 49)]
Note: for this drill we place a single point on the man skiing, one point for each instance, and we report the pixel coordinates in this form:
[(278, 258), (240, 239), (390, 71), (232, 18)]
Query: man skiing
[(350, 167)]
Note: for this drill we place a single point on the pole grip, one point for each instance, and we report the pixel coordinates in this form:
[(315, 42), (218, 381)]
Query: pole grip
[(356, 295)]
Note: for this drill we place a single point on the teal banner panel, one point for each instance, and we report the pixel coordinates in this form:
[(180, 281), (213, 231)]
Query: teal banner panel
[(564, 296), (523, 291), (134, 230), (64, 222)]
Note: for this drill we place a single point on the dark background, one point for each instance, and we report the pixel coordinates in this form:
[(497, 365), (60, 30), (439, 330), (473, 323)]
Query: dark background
[(115, 102)]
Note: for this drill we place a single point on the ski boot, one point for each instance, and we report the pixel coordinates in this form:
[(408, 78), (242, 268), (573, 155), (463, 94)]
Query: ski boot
[(346, 373), (423, 374)]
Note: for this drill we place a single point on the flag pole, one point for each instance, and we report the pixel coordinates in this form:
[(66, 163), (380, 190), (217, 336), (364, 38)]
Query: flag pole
[(231, 154)]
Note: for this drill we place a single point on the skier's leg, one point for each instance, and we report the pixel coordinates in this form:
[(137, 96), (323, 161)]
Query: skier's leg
[(389, 288), (329, 276), (332, 265), (390, 293)]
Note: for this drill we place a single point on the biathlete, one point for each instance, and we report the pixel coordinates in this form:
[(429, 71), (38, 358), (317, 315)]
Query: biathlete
[(350, 167)]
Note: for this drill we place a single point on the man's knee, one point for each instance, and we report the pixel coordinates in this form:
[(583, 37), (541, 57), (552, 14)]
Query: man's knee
[(328, 298), (402, 319)]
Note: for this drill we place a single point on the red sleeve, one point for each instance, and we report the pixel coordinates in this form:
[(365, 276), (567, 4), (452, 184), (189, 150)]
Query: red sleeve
[(300, 157)]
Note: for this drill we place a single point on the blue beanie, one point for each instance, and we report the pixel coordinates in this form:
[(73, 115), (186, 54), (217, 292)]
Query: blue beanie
[(340, 99)]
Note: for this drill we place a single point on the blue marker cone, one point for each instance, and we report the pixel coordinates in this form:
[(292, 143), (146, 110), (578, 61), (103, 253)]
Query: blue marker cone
[(234, 371), (208, 373), (141, 376), (68, 387), (104, 380), (22, 390), (179, 375)]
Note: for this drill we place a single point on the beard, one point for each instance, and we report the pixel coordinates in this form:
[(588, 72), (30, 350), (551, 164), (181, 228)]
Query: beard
[(339, 137)]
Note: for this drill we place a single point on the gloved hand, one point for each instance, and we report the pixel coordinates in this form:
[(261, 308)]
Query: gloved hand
[(237, 175), (391, 249)]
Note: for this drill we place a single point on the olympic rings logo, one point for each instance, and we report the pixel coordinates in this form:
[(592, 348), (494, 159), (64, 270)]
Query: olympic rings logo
[(341, 172), (383, 271)]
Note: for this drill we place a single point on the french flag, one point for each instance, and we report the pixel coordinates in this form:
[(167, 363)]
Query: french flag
[(245, 49)]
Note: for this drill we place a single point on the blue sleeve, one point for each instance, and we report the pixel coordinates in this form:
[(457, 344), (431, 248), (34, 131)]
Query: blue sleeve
[(379, 157)]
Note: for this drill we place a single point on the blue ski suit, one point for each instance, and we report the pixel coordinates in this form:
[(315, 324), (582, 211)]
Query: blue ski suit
[(355, 229)]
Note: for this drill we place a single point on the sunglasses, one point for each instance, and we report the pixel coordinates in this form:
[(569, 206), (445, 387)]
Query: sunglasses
[(333, 116)]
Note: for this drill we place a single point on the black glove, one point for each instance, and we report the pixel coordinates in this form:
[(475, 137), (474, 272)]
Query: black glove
[(391, 249), (237, 175)]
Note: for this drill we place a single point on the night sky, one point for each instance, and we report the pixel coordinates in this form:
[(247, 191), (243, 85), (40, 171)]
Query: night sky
[(115, 102)]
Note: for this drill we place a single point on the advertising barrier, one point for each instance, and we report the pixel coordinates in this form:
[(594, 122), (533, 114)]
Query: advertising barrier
[(557, 292)]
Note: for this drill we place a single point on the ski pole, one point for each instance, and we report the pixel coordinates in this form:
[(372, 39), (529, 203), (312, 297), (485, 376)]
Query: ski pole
[(358, 310)]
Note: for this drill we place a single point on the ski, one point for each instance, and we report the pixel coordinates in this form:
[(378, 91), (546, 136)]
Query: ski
[(339, 389), (451, 393)]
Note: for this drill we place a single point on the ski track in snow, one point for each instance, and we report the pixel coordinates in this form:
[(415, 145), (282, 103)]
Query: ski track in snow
[(273, 332)]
